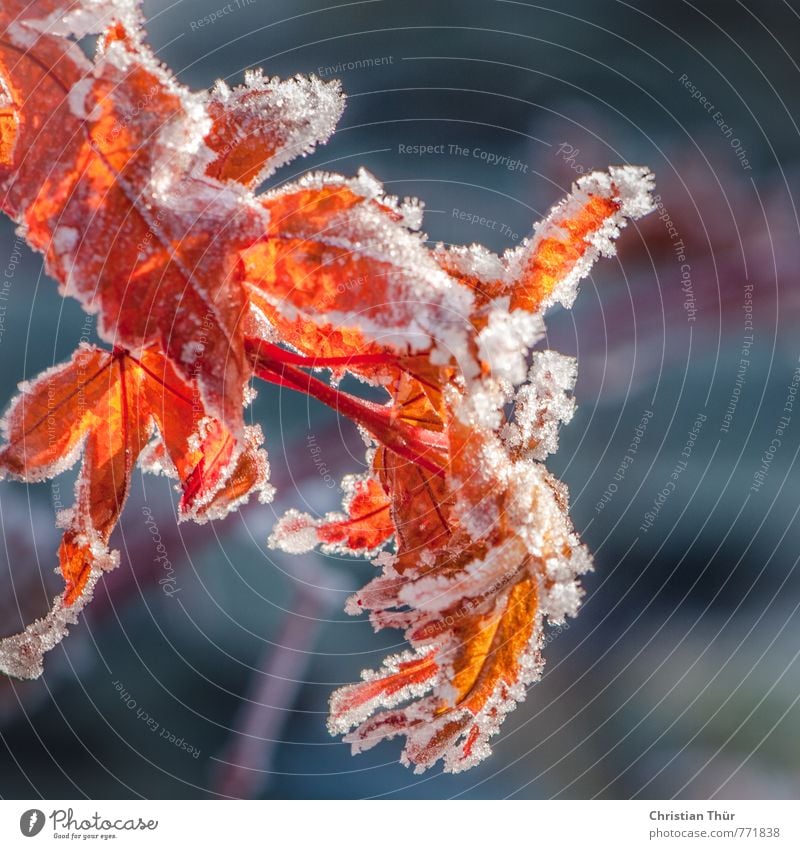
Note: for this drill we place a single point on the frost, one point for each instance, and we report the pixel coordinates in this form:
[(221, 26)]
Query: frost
[(505, 341), (77, 98), (21, 655), (291, 116), (542, 405), (65, 239), (476, 261), (155, 461), (295, 533), (470, 533), (490, 573), (250, 395)]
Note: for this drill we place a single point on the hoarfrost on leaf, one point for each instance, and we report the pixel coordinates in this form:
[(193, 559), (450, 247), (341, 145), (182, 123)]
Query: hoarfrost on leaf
[(149, 216)]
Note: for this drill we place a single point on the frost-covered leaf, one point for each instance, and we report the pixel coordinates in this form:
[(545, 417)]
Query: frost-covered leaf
[(365, 525), (265, 123), (139, 193), (134, 187), (101, 181), (484, 552), (547, 268), (107, 405), (21, 655), (472, 605), (9, 121), (342, 268)]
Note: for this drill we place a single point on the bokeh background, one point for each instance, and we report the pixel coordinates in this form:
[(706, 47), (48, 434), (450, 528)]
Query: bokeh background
[(680, 678)]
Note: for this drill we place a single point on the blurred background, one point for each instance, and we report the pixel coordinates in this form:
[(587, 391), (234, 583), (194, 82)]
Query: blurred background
[(680, 677)]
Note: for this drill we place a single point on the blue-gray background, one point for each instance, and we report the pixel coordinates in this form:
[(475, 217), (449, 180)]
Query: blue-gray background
[(680, 677)]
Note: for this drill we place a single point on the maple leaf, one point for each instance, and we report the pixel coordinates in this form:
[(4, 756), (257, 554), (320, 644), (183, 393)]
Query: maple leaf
[(143, 205), (343, 269), (147, 214), (484, 554), (107, 406), (364, 526), (9, 124)]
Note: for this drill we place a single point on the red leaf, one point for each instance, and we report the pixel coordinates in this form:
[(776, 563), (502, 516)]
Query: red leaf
[(138, 192), (365, 525), (268, 122), (341, 269), (132, 208), (107, 406)]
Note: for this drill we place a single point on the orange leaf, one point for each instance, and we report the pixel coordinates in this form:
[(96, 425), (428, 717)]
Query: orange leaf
[(368, 524), (49, 419), (97, 397), (132, 209), (108, 404), (365, 525), (139, 194), (267, 122), (124, 225), (419, 503), (558, 247), (565, 245), (492, 647), (341, 269), (470, 589)]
